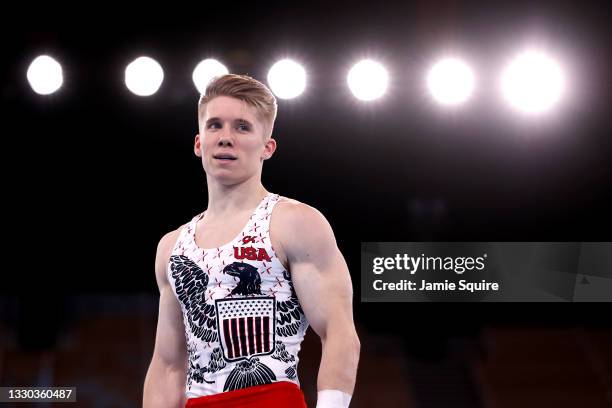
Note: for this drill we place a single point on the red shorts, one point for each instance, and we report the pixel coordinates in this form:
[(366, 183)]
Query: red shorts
[(282, 394)]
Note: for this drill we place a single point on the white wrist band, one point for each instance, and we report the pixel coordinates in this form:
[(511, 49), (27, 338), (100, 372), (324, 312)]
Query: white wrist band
[(333, 399)]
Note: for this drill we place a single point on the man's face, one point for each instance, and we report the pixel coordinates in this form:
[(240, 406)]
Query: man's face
[(232, 141)]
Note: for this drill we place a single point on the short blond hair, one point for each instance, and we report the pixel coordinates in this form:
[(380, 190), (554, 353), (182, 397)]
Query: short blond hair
[(246, 89)]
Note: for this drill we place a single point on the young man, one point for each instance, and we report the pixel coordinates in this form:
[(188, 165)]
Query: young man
[(240, 283)]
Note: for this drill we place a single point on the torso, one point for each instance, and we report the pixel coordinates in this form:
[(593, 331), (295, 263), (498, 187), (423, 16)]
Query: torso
[(243, 321)]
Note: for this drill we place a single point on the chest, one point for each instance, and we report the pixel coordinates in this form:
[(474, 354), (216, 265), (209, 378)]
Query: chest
[(213, 233)]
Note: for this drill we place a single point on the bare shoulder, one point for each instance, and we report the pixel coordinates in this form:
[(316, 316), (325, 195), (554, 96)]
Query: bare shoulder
[(294, 213), (166, 243), (164, 250), (301, 228)]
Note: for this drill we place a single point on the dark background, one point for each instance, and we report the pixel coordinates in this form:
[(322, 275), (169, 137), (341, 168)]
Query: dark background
[(94, 175)]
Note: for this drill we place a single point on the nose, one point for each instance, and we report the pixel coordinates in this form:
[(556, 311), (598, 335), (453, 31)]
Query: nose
[(225, 138), (224, 142)]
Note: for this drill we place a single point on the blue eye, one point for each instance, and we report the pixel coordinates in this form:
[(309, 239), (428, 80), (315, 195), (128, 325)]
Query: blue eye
[(243, 127), (214, 125)]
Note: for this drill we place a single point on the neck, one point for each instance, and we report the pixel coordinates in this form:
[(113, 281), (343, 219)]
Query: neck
[(229, 199)]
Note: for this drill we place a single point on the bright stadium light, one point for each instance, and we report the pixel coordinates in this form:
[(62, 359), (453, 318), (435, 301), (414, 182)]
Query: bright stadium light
[(205, 71), (45, 75), (287, 79), (450, 81), (368, 80), (144, 76), (533, 82)]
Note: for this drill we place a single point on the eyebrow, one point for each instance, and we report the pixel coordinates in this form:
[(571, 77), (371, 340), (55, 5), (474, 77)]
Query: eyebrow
[(239, 120)]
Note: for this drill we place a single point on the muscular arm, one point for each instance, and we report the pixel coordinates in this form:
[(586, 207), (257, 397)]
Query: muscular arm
[(323, 285), (165, 381)]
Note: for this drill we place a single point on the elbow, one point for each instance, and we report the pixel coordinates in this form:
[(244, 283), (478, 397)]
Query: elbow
[(342, 339), (352, 346), (164, 385), (349, 343), (356, 344)]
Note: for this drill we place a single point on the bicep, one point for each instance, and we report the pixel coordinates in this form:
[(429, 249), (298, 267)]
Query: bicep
[(324, 288), (319, 271), (170, 346)]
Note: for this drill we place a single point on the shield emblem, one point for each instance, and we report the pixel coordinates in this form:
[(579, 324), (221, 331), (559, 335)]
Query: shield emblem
[(246, 327)]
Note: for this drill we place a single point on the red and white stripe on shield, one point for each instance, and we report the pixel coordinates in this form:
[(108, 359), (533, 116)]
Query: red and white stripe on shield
[(246, 327)]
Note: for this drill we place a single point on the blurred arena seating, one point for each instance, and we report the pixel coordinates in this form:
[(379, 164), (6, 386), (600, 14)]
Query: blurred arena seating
[(105, 344)]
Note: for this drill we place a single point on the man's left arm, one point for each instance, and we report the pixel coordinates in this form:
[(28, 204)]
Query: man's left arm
[(323, 285)]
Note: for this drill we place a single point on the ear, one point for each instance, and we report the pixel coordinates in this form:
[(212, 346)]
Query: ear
[(197, 146), (269, 149)]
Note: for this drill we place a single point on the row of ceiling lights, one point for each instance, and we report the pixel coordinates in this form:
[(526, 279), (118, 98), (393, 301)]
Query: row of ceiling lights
[(532, 82)]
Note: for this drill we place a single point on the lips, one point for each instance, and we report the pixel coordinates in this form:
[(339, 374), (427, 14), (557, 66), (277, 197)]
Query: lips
[(224, 156)]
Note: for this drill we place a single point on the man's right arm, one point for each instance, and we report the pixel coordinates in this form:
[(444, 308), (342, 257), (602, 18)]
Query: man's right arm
[(165, 381)]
